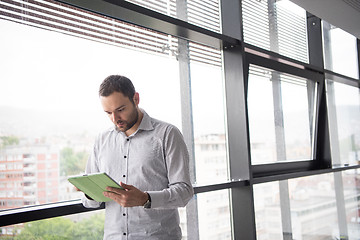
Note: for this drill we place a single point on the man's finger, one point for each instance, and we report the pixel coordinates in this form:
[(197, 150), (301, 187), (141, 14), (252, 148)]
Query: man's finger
[(117, 198), (114, 189), (126, 186), (110, 195)]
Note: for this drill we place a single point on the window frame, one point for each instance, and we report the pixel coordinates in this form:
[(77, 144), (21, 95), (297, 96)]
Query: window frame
[(242, 174), (267, 59)]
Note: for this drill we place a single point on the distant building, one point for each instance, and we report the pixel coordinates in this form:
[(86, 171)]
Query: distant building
[(29, 174), (211, 167)]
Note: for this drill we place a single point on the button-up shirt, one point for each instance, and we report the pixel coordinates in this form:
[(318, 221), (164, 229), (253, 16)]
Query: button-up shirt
[(153, 159)]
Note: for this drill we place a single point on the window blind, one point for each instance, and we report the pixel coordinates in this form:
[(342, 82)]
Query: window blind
[(283, 77), (54, 16), (278, 26), (201, 13)]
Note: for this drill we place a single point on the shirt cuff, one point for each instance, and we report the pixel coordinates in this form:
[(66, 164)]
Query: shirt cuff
[(157, 199), (89, 203)]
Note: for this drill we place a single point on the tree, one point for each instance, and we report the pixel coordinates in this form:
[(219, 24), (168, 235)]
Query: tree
[(91, 228), (8, 141), (71, 162), (48, 229), (63, 228)]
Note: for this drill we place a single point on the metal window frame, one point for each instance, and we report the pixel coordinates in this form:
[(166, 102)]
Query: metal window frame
[(358, 53), (237, 57), (137, 15)]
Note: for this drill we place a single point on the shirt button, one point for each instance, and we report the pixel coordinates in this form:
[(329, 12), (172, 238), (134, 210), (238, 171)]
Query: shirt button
[(124, 156), (124, 214), (128, 139), (124, 175), (124, 233)]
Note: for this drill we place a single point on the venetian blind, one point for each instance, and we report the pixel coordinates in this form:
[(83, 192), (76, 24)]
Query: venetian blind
[(201, 13), (278, 26), (54, 16), (283, 77)]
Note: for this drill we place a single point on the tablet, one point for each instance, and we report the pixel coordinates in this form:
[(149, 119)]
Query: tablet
[(94, 185)]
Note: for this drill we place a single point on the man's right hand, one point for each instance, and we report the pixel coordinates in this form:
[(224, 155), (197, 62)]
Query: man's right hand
[(130, 196)]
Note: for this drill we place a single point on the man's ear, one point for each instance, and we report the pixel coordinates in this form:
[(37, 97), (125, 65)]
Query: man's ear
[(136, 98)]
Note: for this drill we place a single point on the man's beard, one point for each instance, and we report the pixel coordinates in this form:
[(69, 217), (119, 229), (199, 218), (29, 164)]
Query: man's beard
[(127, 125)]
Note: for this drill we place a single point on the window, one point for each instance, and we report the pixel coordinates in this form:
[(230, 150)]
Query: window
[(344, 122), (278, 26), (314, 207), (87, 225), (313, 203), (209, 123), (214, 215), (351, 199), (261, 120), (58, 122), (340, 51), (201, 13), (268, 211), (67, 53), (281, 115)]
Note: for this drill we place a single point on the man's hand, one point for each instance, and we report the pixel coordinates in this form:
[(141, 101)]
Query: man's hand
[(129, 197)]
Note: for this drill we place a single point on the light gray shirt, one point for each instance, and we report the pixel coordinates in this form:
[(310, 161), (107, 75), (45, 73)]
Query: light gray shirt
[(153, 159)]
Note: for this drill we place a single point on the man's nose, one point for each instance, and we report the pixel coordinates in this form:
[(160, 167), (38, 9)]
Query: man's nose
[(113, 117)]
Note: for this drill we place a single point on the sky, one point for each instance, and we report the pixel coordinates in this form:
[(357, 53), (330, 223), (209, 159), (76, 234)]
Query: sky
[(57, 77)]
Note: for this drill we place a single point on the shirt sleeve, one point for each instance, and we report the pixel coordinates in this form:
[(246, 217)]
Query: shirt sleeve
[(180, 190), (91, 167)]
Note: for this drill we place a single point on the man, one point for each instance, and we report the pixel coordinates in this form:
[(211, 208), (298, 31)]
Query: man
[(150, 160)]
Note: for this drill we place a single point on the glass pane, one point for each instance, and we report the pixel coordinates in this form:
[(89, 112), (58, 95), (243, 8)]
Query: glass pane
[(344, 122), (340, 51), (313, 207), (268, 211), (350, 180), (209, 123), (278, 26), (214, 215), (280, 108), (201, 13), (50, 108), (89, 226)]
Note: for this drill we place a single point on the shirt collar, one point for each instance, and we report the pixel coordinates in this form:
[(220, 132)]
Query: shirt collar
[(146, 123)]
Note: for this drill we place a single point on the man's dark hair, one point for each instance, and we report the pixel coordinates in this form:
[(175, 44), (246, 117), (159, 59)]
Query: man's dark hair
[(117, 83)]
